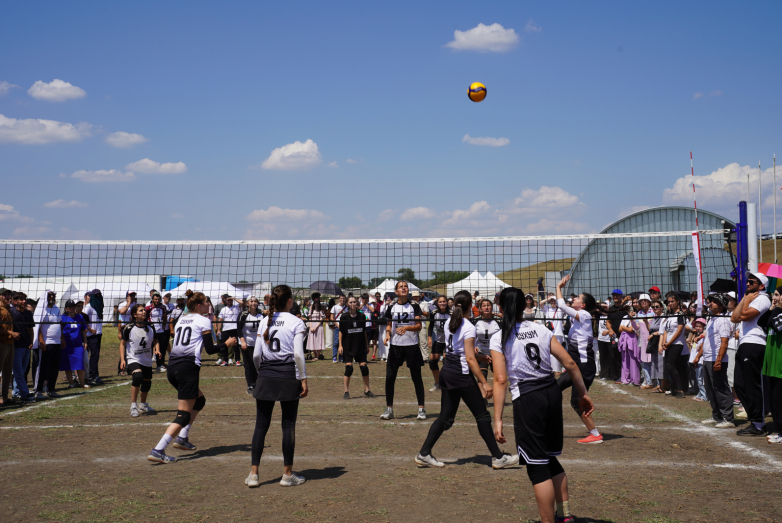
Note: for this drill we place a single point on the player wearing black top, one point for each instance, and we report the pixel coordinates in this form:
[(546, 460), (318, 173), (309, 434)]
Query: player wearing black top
[(353, 345), (440, 315)]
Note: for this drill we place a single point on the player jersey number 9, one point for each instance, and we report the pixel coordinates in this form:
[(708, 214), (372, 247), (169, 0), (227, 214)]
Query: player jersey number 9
[(533, 354)]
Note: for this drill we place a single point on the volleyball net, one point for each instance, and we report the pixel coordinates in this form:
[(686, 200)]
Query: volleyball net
[(598, 263)]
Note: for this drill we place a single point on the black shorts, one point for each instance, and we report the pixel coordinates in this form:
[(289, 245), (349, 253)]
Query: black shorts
[(183, 376), (162, 339), (146, 372), (277, 389), (537, 424), (410, 354), (373, 334), (360, 357), (438, 347)]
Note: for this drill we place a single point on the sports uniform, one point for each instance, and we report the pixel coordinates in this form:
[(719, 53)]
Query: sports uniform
[(184, 364), (247, 327), (484, 330), (353, 336), (158, 318), (436, 329), (139, 342), (404, 348), (580, 346)]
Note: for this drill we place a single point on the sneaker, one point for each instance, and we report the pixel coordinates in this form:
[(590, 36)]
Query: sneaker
[(239, 364), (505, 461), (292, 480), (134, 412), (710, 421), (252, 481), (89, 382), (183, 444), (564, 519), (740, 415), (334, 360), (680, 395), (40, 396), (428, 461), (775, 439), (144, 407), (99, 381), (736, 403), (750, 431), (160, 456), (222, 364), (29, 399), (219, 361), (87, 386), (435, 387), (667, 392), (54, 395), (250, 391), (421, 414), (388, 414), (368, 394), (162, 368), (725, 425), (230, 361), (592, 439), (346, 396)]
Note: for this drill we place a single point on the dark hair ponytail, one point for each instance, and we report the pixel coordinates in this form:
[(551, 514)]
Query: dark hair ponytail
[(461, 304), (281, 294), (513, 304), (590, 303)]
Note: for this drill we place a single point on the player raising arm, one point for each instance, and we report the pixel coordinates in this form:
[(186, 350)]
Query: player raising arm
[(521, 356)]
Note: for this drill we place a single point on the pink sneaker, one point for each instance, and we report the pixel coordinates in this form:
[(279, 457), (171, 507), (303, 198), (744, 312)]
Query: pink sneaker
[(592, 439)]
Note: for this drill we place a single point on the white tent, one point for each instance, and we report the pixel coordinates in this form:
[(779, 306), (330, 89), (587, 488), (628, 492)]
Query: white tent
[(213, 289), (487, 286), (115, 293), (389, 286), (34, 288)]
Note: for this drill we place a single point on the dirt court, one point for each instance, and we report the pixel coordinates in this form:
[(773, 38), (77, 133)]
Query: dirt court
[(82, 458)]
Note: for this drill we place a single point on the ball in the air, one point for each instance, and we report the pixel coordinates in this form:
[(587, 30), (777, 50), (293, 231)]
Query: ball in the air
[(476, 92)]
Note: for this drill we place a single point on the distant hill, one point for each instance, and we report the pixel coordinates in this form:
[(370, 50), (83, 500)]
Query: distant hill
[(525, 278)]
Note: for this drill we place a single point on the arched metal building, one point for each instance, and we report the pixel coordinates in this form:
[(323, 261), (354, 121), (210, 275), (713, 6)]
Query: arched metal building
[(637, 263)]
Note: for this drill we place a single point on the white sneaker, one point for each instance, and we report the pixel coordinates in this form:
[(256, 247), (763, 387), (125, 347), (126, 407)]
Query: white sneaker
[(775, 439), (230, 361), (388, 414), (741, 415), (219, 361), (428, 461), (505, 461), (252, 481), (134, 412), (725, 425), (435, 387), (421, 414), (292, 480), (144, 407), (710, 421)]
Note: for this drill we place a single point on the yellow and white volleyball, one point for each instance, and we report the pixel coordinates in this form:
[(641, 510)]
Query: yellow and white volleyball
[(476, 92)]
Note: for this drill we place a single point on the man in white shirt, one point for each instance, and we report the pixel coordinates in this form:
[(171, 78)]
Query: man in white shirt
[(94, 337), (334, 315), (752, 349), (49, 337), (227, 328)]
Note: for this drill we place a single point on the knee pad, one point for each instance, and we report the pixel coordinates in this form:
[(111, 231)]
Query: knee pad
[(146, 385), (348, 370), (136, 379), (483, 416), (199, 404), (554, 467), (447, 422), (364, 370), (433, 364), (538, 473), (182, 418)]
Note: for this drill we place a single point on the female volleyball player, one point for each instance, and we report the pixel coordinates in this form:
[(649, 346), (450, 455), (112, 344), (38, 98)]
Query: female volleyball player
[(673, 344), (521, 354), (247, 326), (436, 335), (353, 345), (457, 382), (192, 335), (403, 318), (282, 377), (139, 341), (581, 347), (485, 327)]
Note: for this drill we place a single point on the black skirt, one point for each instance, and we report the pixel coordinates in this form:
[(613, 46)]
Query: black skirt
[(277, 389)]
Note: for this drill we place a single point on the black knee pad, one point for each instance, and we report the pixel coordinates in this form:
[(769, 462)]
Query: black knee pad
[(182, 418), (554, 467), (447, 422), (483, 416), (199, 404), (146, 385), (575, 405), (348, 370), (434, 365), (136, 379), (364, 370), (538, 473)]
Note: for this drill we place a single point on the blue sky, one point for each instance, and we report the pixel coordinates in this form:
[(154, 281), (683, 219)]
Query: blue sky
[(178, 107)]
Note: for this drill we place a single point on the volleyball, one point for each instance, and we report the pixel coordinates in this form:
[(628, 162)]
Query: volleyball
[(476, 92)]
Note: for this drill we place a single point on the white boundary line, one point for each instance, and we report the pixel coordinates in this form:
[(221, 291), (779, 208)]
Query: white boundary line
[(66, 398)]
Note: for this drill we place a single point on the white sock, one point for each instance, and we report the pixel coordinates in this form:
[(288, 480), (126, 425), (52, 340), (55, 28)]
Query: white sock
[(594, 432), (164, 441), (184, 431)]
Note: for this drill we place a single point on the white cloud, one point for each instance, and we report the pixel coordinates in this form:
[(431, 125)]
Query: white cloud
[(35, 132), (492, 37), (333, 164), (478, 210), (5, 87), (546, 226), (544, 199), (531, 27), (386, 215), (30, 233), (485, 140), (351, 160), (294, 156), (699, 95), (63, 204), (9, 213), (725, 186), (276, 213), (55, 91), (417, 213), (112, 175), (152, 167), (125, 140)]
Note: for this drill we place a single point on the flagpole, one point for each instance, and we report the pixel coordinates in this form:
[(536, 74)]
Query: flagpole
[(760, 216), (775, 208), (697, 246)]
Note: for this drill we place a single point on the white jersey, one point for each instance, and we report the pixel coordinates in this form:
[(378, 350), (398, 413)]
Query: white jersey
[(527, 357), (336, 313), (276, 356), (484, 330), (139, 342), (580, 339), (188, 338), (669, 325), (368, 313), (437, 322), (601, 328), (455, 360), (156, 315), (250, 327), (95, 322), (719, 327), (750, 331), (229, 315), (403, 316), (52, 333), (557, 317)]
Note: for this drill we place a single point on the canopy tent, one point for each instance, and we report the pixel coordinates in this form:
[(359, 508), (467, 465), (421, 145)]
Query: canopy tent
[(213, 289), (389, 285), (486, 286), (36, 289), (115, 293), (326, 287)]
